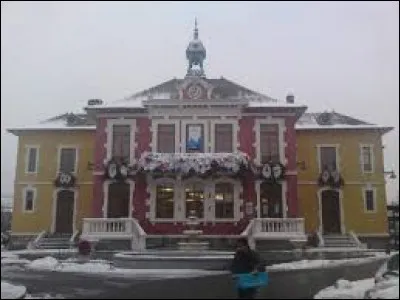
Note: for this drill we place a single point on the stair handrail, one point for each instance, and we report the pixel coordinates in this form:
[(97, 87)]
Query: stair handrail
[(321, 242), (249, 233), (73, 237), (34, 244), (140, 234), (356, 239)]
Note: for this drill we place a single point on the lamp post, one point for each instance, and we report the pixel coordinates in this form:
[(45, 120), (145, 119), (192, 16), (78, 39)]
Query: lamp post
[(391, 173)]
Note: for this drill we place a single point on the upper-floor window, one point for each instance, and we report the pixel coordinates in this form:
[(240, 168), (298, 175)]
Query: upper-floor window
[(369, 200), (121, 141), (67, 158), (367, 159), (166, 138), (223, 138), (32, 155), (328, 159), (269, 143)]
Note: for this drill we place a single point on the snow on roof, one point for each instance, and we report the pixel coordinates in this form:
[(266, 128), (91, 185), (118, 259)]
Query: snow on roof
[(52, 125), (273, 104), (334, 120), (340, 126)]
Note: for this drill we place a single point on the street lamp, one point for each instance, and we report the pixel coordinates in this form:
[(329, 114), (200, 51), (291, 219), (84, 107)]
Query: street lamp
[(392, 174)]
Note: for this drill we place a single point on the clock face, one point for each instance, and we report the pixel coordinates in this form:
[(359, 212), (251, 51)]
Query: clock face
[(194, 92)]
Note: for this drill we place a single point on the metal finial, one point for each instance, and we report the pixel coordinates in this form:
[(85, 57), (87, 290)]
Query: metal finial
[(196, 31)]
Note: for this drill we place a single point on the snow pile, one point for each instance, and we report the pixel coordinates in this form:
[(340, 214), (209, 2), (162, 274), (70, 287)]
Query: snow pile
[(387, 289), (101, 268), (185, 163), (10, 291), (344, 289), (46, 263), (320, 263)]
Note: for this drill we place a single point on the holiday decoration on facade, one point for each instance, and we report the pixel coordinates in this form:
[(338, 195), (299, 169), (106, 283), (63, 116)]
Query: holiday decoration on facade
[(273, 172), (194, 164), (65, 180), (329, 178), (119, 170)]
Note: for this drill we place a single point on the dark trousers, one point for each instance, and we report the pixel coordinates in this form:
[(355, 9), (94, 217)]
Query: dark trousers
[(247, 293)]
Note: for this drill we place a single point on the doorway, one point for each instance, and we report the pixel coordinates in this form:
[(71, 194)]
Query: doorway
[(118, 200), (330, 207), (271, 200), (65, 211)]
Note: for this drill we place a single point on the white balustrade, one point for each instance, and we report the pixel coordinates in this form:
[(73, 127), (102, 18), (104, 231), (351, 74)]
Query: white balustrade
[(115, 228), (279, 227)]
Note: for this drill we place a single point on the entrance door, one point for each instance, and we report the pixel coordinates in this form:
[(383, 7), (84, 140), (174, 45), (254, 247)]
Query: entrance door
[(65, 211), (330, 212), (118, 200), (194, 200), (271, 200)]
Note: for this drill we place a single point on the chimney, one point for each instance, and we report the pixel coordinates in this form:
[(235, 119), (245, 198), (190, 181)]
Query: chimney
[(94, 102), (290, 98)]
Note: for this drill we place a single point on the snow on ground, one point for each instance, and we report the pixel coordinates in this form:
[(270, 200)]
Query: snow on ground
[(8, 254), (43, 296), (320, 263), (14, 261), (10, 291), (52, 264), (343, 289)]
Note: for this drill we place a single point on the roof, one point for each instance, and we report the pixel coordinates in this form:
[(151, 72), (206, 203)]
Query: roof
[(223, 89), (67, 121), (335, 121)]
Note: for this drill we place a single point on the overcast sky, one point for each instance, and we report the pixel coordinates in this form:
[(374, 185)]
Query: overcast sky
[(56, 55)]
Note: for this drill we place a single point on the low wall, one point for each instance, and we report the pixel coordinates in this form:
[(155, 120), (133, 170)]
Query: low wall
[(304, 284)]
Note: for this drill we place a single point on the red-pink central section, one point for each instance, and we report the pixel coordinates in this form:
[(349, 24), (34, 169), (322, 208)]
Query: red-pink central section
[(246, 139)]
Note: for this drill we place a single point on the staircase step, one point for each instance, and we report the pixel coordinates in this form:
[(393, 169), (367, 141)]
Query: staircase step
[(339, 241)]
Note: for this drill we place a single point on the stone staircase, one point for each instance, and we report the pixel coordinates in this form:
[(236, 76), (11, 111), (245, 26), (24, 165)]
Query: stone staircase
[(55, 241), (340, 241)]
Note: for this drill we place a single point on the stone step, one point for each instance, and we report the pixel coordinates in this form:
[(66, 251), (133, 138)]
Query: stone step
[(53, 246)]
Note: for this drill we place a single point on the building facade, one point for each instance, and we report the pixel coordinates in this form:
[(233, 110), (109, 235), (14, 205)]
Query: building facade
[(239, 161)]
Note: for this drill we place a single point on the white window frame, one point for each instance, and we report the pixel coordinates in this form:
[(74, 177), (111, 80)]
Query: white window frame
[(237, 201), (336, 146), (235, 133), (106, 188), (154, 129), (371, 147), (364, 197), (207, 214), (152, 189), (281, 137), (59, 150), (205, 123), (24, 191), (109, 133), (27, 150), (285, 207)]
